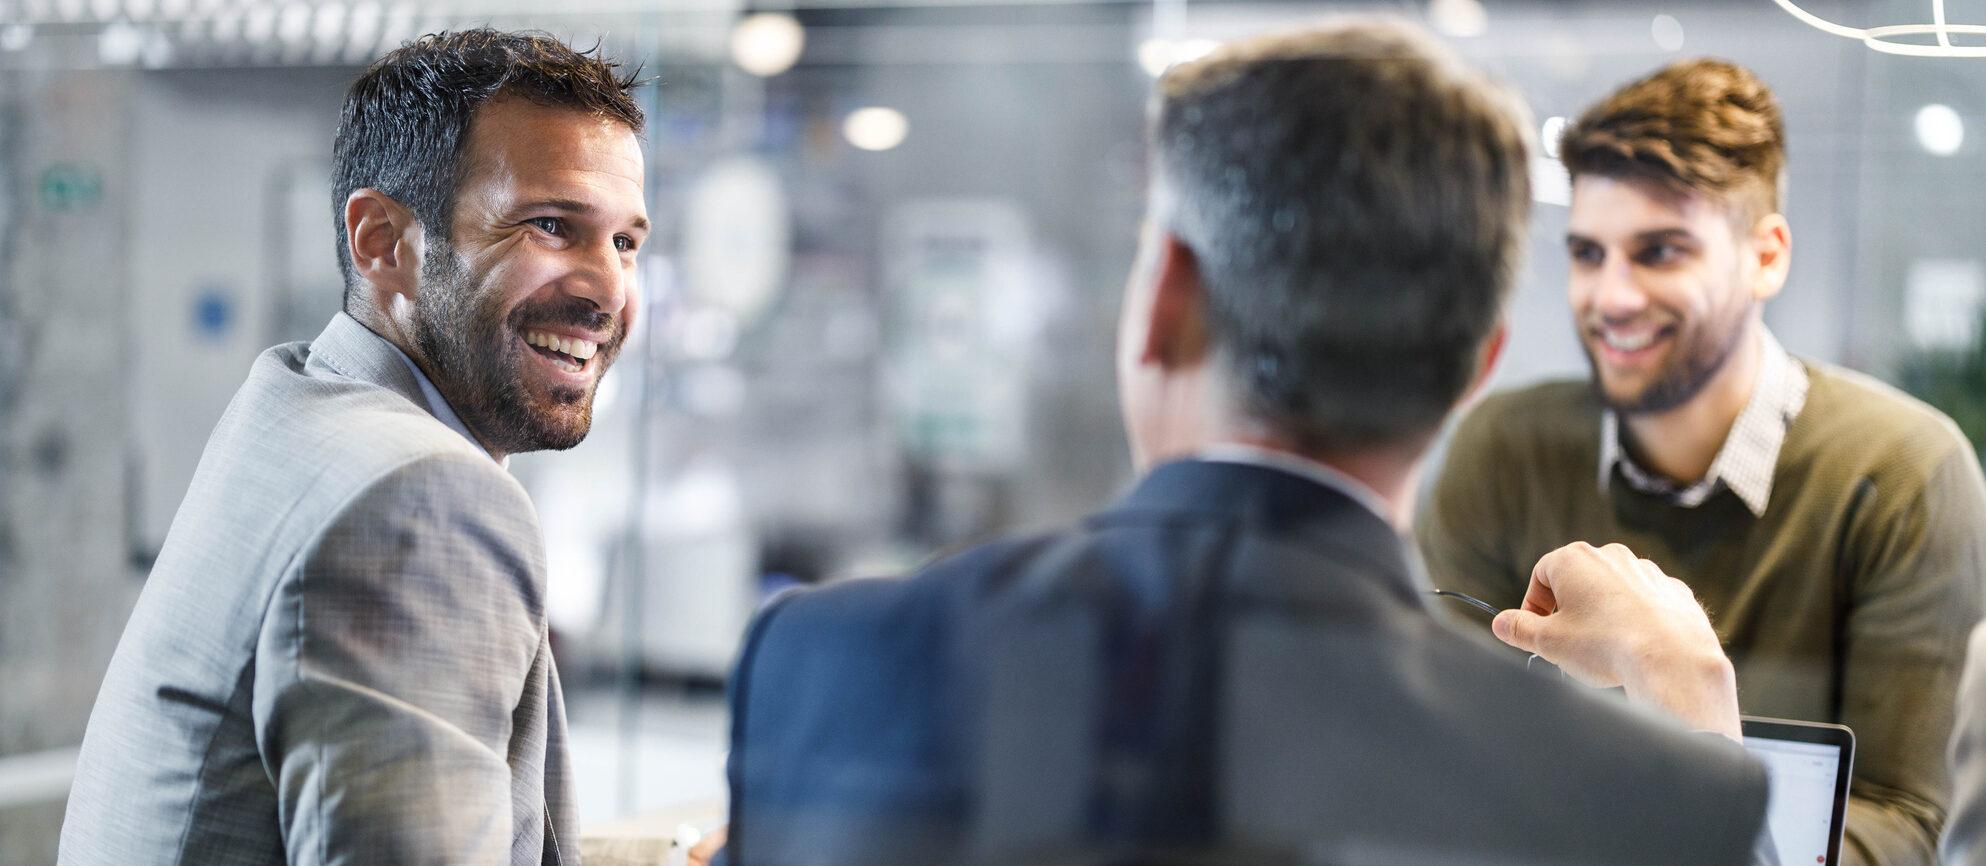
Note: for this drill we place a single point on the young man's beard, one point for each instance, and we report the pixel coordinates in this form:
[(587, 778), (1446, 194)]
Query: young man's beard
[(1693, 365), (476, 358)]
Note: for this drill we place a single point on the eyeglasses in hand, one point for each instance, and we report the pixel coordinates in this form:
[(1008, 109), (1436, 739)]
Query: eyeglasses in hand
[(1532, 663)]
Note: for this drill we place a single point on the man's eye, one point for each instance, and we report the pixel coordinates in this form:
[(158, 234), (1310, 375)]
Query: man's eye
[(549, 225), (1585, 254), (1660, 254), (623, 243)]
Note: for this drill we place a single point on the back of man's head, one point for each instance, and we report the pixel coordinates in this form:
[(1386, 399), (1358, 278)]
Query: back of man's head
[(1357, 201), (1695, 127), (406, 119)]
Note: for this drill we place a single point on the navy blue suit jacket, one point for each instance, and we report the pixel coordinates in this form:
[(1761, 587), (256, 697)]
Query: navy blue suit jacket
[(1232, 664)]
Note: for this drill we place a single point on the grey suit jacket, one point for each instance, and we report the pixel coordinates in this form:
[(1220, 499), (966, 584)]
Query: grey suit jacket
[(341, 654)]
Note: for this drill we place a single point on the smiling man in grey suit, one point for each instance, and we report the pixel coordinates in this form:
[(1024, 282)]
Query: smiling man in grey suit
[(342, 654)]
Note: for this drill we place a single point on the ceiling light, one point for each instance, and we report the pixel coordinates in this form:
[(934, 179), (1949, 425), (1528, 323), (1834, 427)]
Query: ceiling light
[(119, 44), (1548, 136), (293, 26), (768, 43), (1667, 31), (876, 128), (1156, 55), (328, 24), (362, 29), (227, 28), (15, 37), (1885, 38), (1189, 50), (1458, 18), (1939, 129), (260, 24)]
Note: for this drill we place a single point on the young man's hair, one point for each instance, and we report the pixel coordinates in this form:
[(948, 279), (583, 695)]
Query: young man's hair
[(406, 119), (1357, 202), (1695, 127)]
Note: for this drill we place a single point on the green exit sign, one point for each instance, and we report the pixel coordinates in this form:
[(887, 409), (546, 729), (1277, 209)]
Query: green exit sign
[(70, 187)]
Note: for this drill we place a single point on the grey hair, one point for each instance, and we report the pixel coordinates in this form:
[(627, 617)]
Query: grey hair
[(1356, 200)]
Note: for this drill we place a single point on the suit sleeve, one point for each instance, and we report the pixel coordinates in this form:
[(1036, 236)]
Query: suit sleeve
[(736, 773), (391, 662), (1915, 596), (1463, 528)]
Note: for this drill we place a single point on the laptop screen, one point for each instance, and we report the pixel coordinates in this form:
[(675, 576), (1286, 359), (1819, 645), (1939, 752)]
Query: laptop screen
[(1800, 808)]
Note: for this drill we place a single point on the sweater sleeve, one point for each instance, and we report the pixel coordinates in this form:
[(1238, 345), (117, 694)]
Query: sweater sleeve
[(1964, 842), (1464, 528), (1917, 562)]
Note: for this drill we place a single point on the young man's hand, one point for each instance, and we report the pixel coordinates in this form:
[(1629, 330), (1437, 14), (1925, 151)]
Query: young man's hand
[(1608, 618)]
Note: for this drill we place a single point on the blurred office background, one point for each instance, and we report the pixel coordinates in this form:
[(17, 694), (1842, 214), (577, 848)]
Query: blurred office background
[(891, 239)]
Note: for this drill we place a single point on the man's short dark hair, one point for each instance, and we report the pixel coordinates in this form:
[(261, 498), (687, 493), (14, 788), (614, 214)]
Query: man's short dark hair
[(1357, 201), (1698, 126), (406, 120)]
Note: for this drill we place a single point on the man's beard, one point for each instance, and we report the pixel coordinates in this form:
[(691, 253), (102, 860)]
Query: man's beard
[(476, 358), (1697, 358)]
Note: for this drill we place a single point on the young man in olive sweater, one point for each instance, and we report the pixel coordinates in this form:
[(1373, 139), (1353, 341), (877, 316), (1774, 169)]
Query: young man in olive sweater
[(1834, 528)]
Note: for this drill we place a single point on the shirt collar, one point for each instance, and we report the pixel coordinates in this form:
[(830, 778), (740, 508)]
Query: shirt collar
[(1750, 453), (437, 406), (1356, 490)]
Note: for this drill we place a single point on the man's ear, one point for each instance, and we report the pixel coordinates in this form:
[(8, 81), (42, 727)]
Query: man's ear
[(1772, 244), (1486, 361), (1177, 336), (384, 241)]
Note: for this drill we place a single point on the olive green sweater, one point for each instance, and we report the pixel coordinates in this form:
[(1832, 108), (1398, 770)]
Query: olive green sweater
[(1848, 601)]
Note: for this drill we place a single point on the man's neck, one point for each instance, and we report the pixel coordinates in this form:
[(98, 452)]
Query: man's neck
[(401, 336), (1682, 443)]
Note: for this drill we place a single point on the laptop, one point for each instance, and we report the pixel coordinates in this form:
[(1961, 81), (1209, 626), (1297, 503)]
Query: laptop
[(1809, 765)]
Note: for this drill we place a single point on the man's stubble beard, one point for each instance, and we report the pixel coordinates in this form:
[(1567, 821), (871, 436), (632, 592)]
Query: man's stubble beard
[(1693, 365), (477, 359)]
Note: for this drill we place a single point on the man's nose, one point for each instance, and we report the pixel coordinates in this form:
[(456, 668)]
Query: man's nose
[(599, 277), (1617, 294)]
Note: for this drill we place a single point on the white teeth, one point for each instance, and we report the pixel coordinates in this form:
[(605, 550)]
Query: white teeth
[(1628, 342), (573, 346)]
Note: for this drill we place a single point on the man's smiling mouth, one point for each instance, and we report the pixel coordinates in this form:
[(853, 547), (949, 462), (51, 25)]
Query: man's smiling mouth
[(1632, 343), (570, 354)]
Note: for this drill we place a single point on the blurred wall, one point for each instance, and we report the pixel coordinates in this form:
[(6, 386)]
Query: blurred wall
[(66, 581)]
